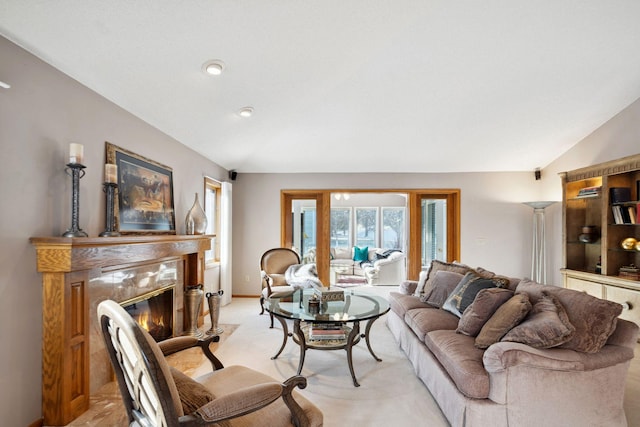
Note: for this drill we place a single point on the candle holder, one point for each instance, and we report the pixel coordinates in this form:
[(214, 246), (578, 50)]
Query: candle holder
[(110, 222), (76, 171)]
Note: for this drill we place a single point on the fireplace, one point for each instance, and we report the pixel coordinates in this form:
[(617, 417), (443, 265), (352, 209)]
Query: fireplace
[(78, 273), (154, 312)]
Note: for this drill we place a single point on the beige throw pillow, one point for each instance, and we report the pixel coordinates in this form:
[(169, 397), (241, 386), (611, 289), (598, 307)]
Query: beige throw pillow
[(193, 395), (443, 284), (481, 309), (506, 317)]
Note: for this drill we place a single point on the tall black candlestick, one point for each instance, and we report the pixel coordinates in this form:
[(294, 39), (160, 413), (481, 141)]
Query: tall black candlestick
[(110, 223), (77, 172)]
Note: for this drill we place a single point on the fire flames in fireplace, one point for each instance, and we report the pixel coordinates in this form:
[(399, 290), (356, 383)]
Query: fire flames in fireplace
[(154, 312)]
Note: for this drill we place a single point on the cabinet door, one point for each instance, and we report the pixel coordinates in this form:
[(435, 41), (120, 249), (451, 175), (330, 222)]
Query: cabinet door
[(593, 289)]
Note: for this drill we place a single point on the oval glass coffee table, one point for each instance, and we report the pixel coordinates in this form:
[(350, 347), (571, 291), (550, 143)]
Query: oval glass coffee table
[(330, 325)]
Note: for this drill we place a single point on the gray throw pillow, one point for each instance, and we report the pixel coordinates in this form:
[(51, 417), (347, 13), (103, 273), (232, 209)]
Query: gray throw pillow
[(444, 282), (486, 303), (465, 292), (547, 325)]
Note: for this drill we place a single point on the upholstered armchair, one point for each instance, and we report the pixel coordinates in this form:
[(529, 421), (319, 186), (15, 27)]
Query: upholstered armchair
[(155, 394), (273, 266)]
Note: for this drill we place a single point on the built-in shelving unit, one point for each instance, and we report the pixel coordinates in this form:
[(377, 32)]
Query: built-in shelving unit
[(592, 263)]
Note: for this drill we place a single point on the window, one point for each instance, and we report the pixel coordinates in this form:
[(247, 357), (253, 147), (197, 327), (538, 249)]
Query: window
[(308, 238), (434, 230), (393, 228), (340, 227), (212, 195), (366, 227)]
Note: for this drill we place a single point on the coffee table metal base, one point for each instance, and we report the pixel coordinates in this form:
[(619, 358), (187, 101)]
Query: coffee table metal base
[(300, 337)]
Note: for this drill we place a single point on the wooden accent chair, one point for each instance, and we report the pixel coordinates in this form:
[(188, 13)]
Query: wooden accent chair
[(155, 394), (273, 265)]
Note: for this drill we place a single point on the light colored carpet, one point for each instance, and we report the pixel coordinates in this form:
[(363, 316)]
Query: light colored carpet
[(389, 392)]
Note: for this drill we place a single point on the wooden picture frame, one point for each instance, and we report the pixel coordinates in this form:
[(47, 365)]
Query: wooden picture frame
[(144, 204)]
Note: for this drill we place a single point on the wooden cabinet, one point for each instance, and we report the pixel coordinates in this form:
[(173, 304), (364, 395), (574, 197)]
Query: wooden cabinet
[(591, 202)]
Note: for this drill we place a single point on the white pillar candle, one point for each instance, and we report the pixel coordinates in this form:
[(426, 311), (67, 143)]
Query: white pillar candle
[(111, 173), (76, 153)]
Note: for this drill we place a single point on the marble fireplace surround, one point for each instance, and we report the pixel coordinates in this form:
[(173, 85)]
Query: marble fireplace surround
[(77, 273)]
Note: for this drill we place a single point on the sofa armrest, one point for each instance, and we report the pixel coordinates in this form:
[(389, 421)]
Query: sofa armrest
[(504, 355)]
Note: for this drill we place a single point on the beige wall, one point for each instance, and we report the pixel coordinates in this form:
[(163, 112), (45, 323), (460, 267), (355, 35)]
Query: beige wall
[(39, 116), (495, 225)]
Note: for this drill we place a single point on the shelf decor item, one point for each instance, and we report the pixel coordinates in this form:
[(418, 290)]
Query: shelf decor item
[(75, 169), (110, 187), (196, 220), (629, 243), (589, 234)]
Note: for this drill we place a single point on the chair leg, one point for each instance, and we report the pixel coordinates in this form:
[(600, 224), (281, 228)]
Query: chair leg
[(271, 327), (261, 305)]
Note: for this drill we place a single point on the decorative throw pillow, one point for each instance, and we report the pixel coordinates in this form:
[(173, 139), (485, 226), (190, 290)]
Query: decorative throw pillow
[(506, 317), (465, 292), (431, 274), (422, 279), (361, 254), (193, 395), (595, 319), (486, 303), (443, 284), (547, 325)]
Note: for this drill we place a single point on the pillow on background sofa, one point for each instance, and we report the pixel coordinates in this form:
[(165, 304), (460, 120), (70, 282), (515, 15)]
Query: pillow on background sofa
[(486, 303), (547, 325), (507, 316), (361, 254), (464, 294)]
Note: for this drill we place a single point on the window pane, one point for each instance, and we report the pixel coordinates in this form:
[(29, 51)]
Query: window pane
[(434, 230), (393, 228), (340, 227), (308, 218), (366, 227), (211, 210)]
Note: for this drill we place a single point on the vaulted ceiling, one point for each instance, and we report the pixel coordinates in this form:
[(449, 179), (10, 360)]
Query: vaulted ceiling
[(350, 85)]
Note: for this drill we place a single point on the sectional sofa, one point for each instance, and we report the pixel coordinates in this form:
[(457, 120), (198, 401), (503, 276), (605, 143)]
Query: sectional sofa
[(495, 351)]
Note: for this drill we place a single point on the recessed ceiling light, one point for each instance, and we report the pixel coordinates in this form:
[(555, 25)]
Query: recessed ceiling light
[(245, 111), (4, 85), (213, 67)]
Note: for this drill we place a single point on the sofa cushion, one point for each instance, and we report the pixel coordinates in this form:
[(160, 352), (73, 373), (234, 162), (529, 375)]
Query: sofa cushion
[(506, 317), (547, 325), (481, 309), (444, 283), (466, 291), (401, 303), (424, 320), (360, 254), (462, 361), (594, 318)]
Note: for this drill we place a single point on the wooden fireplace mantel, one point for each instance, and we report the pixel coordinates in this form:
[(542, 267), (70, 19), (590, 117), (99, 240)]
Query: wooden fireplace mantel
[(65, 264)]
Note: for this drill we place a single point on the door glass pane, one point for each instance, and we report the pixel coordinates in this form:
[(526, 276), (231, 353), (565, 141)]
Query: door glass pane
[(434, 230), (340, 227), (304, 226), (393, 228), (366, 227)]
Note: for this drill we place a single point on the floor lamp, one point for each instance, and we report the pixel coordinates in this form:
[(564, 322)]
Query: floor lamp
[(538, 256)]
